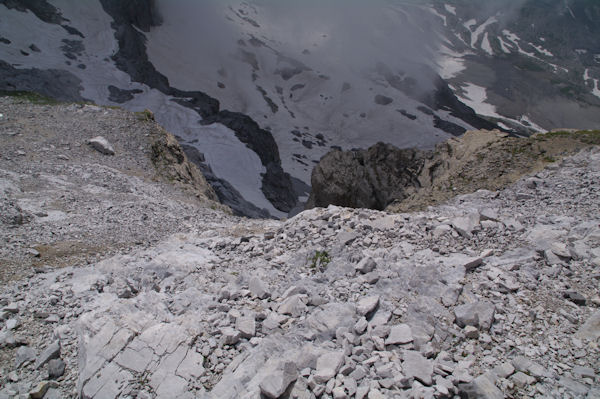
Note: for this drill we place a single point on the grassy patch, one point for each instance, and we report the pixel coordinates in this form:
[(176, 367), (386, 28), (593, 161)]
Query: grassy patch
[(585, 136)]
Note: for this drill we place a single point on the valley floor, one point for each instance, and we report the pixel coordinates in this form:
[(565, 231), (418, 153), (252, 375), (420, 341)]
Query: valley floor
[(118, 285)]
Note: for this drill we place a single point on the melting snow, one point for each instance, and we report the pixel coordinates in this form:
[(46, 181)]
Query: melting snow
[(485, 45), (450, 9), (436, 13), (470, 23), (596, 87), (504, 46), (541, 50), (480, 29), (475, 97)]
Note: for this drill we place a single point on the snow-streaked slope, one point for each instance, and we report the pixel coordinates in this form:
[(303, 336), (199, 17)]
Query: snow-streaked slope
[(293, 71), (229, 159)]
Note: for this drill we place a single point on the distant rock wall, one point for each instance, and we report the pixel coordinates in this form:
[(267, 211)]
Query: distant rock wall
[(365, 178), (385, 177)]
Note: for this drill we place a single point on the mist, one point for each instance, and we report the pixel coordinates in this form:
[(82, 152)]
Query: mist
[(342, 37)]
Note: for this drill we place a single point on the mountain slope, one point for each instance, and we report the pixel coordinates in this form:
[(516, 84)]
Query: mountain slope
[(259, 91)]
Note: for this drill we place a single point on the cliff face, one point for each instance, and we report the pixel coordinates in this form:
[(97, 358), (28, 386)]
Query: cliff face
[(385, 177), (365, 178)]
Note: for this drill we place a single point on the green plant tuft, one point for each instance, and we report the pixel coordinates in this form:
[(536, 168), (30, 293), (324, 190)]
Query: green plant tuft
[(318, 261)]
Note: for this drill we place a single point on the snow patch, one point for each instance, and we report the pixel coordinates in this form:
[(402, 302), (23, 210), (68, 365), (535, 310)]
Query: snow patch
[(526, 121), (437, 14), (504, 46), (480, 29), (595, 87), (485, 45), (541, 50), (450, 9), (470, 23), (475, 97)]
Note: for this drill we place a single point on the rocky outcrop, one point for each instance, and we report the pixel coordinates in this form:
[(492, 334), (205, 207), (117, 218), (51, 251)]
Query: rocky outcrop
[(408, 180), (171, 162), (132, 59), (277, 185), (54, 83), (492, 295), (370, 178)]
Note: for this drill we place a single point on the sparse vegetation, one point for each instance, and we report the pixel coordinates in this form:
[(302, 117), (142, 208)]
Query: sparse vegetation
[(29, 96), (145, 115), (319, 261)]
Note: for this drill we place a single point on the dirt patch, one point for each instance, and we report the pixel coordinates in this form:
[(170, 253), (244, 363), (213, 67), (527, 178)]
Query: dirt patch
[(488, 160)]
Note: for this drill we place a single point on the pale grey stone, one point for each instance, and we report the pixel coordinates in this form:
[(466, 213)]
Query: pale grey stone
[(246, 325), (24, 354), (504, 370), (101, 145), (275, 384), (339, 393), (230, 336), (477, 314), (481, 387), (489, 214), (51, 352), (522, 380), (56, 368), (367, 305), (551, 258), (417, 366), (399, 334), (361, 326), (584, 371), (326, 321), (371, 278), (573, 386), (328, 366), (258, 288), (521, 363), (293, 306), (466, 225), (366, 265), (362, 391), (11, 308)]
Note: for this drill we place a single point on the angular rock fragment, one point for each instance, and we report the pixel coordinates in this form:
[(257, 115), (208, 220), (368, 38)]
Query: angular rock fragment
[(101, 145), (466, 225), (51, 352), (246, 326), (476, 314), (24, 354), (328, 366), (399, 334), (366, 265), (367, 305), (258, 288), (56, 368), (275, 384), (417, 366), (481, 387)]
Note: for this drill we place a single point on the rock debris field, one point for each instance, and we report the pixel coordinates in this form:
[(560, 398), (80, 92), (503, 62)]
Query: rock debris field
[(491, 295)]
